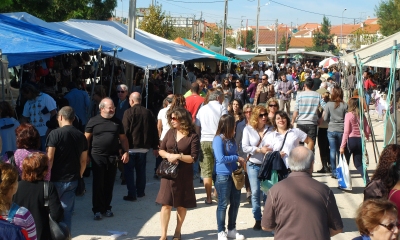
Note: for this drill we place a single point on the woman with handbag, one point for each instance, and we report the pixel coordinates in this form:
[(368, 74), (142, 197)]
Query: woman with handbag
[(255, 144), (352, 137), (180, 146), (30, 194), (226, 159), (10, 211), (285, 138)]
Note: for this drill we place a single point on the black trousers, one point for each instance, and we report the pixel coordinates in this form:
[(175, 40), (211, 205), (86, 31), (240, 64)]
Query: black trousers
[(310, 129), (354, 147), (104, 170), (323, 145)]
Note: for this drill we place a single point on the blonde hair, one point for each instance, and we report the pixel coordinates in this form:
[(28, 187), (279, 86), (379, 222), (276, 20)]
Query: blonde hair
[(255, 116), (270, 101)]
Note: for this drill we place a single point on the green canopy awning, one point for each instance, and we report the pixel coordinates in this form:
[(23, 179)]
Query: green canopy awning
[(216, 55)]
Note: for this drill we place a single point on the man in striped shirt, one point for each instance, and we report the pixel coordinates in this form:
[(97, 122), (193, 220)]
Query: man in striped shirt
[(306, 110)]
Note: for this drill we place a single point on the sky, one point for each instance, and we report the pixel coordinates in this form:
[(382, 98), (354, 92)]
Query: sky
[(291, 12)]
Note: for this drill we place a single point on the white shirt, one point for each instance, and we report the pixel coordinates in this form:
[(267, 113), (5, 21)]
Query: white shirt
[(270, 74), (162, 115), (208, 118), (250, 140), (7, 133), (293, 138), (34, 109)]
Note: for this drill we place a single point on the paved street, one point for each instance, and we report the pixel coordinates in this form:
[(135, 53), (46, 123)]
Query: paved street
[(141, 219)]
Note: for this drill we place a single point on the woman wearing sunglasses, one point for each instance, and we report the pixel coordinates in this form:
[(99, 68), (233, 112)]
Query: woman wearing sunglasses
[(272, 107), (255, 144), (377, 220)]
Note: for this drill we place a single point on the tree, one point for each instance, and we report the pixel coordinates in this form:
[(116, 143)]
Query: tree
[(250, 41), (388, 14), (284, 44), (156, 22), (61, 10), (323, 39), (362, 37)]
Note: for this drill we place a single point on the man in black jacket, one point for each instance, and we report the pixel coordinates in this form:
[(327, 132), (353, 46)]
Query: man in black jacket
[(141, 130)]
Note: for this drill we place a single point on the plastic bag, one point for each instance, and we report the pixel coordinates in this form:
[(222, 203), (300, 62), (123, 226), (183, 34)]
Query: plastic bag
[(343, 174), (267, 184)]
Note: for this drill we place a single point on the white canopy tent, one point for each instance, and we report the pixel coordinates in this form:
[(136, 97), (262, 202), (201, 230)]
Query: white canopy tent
[(133, 52), (241, 54), (378, 54), (159, 44)]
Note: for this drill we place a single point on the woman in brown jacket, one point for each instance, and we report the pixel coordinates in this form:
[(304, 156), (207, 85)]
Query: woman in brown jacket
[(178, 192)]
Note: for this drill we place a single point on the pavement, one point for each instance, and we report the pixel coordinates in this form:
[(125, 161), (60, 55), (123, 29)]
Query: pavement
[(141, 219)]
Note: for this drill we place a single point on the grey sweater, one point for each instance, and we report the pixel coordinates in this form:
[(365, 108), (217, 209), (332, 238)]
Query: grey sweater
[(335, 116)]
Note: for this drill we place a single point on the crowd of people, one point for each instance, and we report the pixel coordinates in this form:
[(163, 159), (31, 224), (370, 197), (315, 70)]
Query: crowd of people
[(213, 126)]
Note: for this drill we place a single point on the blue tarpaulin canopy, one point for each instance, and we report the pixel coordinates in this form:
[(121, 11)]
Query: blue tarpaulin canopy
[(23, 42)]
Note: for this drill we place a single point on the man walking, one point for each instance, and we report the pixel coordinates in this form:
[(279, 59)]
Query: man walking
[(306, 110), (121, 103), (285, 89), (314, 215), (67, 151), (207, 120), (141, 131), (105, 132)]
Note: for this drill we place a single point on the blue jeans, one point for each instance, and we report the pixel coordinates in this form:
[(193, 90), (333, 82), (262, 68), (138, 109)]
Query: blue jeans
[(227, 194), (367, 98), (196, 168), (66, 193), (251, 100), (335, 139), (137, 162), (252, 172)]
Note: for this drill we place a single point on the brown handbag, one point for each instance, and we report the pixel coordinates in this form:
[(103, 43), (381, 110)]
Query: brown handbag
[(259, 142), (167, 169)]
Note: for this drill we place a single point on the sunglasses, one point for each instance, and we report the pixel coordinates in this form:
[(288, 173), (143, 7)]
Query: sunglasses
[(272, 105), (390, 226), (263, 115), (120, 91), (247, 112), (263, 79), (174, 119)]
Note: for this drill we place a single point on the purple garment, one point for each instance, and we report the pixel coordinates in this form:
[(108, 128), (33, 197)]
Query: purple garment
[(20, 155), (251, 90)]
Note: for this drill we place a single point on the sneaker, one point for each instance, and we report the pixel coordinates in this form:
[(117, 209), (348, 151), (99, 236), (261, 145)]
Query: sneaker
[(129, 198), (257, 226), (98, 216), (222, 236), (109, 213), (322, 170), (234, 234)]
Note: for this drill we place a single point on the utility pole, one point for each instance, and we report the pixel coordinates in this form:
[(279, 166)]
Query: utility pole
[(187, 26), (257, 30), (276, 41), (204, 32), (131, 33), (122, 12), (225, 24), (194, 17), (245, 38), (152, 2), (199, 28)]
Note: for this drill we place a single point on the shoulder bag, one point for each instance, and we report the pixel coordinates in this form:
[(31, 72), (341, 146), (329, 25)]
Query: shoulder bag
[(167, 169), (238, 174), (258, 144), (58, 231)]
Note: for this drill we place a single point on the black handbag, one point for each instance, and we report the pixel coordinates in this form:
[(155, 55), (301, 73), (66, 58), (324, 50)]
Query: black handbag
[(167, 169), (58, 231), (81, 188)]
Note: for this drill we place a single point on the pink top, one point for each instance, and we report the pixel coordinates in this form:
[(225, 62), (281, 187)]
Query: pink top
[(19, 156), (394, 197), (352, 128)]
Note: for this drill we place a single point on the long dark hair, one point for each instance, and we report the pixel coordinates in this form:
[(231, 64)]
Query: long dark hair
[(388, 169), (226, 126), (337, 96)]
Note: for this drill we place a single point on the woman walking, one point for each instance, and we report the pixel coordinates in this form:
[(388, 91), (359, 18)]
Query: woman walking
[(179, 146), (226, 159), (255, 144), (334, 113)]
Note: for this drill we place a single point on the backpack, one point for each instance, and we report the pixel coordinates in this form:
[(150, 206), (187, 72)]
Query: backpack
[(375, 189), (10, 231)]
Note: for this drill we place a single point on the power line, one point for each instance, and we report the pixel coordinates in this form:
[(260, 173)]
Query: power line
[(310, 11)]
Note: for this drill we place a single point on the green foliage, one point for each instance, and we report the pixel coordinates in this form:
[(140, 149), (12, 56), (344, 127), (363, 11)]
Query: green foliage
[(284, 44), (156, 22), (388, 13), (250, 39), (61, 10), (323, 39)]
